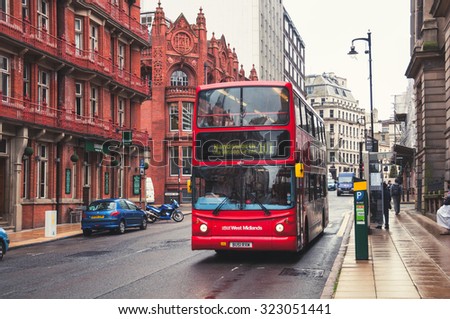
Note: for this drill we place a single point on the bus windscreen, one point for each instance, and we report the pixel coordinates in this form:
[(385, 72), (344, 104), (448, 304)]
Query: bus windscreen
[(243, 106), (243, 187)]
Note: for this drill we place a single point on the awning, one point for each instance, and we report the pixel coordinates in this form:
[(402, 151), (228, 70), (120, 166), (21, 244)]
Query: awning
[(404, 154)]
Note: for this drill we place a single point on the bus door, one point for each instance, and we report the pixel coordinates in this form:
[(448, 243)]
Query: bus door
[(300, 193)]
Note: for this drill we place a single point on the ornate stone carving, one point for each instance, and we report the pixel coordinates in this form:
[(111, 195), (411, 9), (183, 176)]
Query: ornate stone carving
[(223, 60), (182, 42), (158, 66)]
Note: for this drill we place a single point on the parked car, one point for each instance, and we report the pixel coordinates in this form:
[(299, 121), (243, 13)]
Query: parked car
[(331, 185), (4, 243), (114, 214)]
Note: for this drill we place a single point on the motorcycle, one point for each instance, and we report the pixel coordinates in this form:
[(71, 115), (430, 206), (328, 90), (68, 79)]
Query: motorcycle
[(164, 212)]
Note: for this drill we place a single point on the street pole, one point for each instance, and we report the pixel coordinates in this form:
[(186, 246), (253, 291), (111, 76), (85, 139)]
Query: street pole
[(369, 41), (361, 173), (361, 145), (373, 149), (179, 184), (369, 51)]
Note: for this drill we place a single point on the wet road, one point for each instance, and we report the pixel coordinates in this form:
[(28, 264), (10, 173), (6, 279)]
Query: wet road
[(158, 263)]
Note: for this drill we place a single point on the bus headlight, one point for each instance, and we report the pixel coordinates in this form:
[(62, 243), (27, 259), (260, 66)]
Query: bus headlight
[(203, 228), (279, 228)]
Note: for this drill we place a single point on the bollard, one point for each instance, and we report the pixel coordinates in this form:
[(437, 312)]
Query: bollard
[(50, 223)]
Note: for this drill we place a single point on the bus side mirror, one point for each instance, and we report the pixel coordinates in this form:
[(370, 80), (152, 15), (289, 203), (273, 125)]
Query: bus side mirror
[(299, 170), (189, 187)]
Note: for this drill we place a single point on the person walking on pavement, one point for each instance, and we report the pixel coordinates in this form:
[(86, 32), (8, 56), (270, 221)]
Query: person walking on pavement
[(443, 216), (387, 204), (396, 193), (384, 213)]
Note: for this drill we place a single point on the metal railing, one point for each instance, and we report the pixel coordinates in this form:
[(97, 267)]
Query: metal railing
[(41, 39), (43, 115), (119, 15)]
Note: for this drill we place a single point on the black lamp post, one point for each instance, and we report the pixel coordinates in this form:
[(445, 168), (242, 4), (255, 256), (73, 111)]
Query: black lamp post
[(369, 52), (179, 184), (362, 120)]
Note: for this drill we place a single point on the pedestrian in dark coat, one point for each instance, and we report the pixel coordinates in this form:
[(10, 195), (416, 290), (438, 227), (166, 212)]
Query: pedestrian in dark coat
[(396, 193), (387, 204)]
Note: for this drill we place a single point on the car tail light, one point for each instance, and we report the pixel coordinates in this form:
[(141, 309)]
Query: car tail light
[(114, 214)]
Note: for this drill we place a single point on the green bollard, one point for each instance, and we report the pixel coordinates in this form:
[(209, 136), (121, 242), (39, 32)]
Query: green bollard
[(361, 220)]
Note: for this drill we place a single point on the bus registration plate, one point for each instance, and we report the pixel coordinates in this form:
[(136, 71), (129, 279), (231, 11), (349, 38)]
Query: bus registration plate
[(241, 245)]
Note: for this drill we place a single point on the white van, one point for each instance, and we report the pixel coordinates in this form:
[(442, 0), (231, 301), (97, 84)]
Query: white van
[(149, 191)]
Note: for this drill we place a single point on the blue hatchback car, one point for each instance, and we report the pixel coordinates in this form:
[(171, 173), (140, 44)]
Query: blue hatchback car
[(114, 214), (4, 243)]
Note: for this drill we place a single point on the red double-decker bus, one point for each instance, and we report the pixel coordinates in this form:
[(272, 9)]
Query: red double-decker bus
[(259, 179)]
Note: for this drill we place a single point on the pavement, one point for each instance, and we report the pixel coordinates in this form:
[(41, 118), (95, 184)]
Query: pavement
[(411, 260)]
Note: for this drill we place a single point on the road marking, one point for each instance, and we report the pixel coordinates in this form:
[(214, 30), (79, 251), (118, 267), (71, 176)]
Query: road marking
[(341, 230)]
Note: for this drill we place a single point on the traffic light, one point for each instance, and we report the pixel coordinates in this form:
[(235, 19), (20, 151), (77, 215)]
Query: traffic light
[(189, 186)]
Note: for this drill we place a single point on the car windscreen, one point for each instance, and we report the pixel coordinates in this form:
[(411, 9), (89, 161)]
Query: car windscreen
[(97, 206)]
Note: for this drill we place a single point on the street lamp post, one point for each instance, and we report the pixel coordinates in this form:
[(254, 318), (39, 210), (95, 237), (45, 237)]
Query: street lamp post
[(361, 121), (368, 51), (179, 184)]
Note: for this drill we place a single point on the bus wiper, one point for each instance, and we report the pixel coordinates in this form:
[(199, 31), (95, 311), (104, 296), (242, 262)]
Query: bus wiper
[(216, 210), (266, 211)]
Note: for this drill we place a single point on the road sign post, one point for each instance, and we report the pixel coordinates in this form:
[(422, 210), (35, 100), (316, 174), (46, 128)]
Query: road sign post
[(361, 220)]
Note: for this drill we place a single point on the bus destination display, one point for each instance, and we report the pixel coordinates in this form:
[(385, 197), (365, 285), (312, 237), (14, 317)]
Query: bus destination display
[(243, 145)]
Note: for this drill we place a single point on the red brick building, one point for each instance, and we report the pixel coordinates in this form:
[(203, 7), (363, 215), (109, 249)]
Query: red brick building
[(70, 81), (181, 58)]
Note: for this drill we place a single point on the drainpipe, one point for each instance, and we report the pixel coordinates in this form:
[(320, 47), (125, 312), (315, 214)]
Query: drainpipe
[(59, 147), (58, 183)]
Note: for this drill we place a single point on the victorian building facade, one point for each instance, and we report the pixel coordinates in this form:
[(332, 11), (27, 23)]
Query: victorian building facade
[(265, 35), (70, 88), (344, 120), (180, 58), (429, 68)]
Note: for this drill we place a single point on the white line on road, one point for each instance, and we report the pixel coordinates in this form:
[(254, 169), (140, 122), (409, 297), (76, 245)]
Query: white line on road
[(341, 230)]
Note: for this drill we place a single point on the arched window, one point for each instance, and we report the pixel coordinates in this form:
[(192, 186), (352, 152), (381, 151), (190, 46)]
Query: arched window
[(179, 78)]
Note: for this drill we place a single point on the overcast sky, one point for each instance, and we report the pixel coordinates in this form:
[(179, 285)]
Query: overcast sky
[(327, 28)]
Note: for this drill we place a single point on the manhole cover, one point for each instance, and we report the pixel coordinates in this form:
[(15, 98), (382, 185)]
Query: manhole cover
[(314, 273), (90, 253)]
